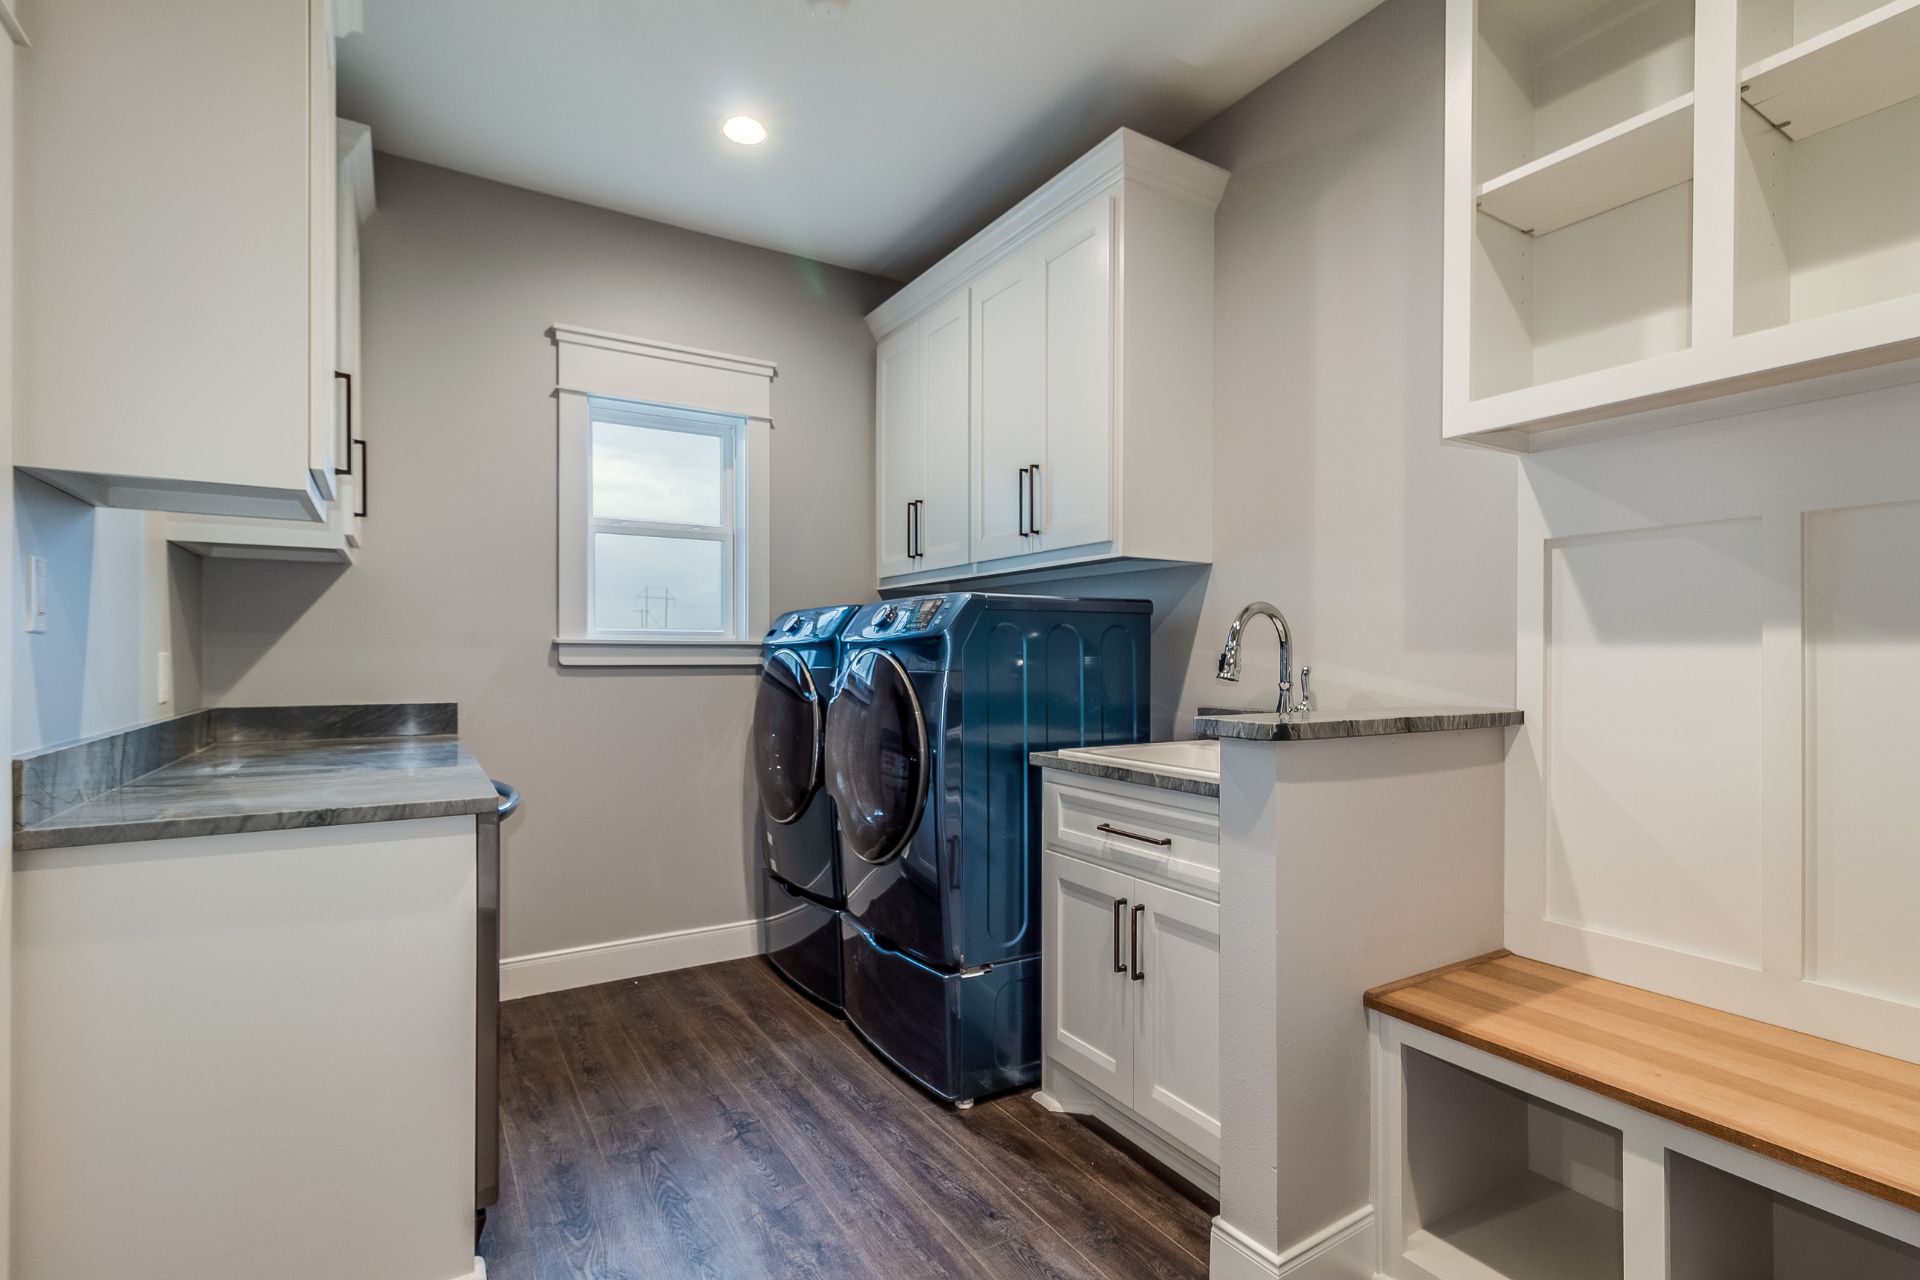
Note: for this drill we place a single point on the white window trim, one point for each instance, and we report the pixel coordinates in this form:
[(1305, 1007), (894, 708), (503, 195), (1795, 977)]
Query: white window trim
[(596, 365)]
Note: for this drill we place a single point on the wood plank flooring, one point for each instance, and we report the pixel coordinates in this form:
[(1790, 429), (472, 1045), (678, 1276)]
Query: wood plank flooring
[(712, 1124)]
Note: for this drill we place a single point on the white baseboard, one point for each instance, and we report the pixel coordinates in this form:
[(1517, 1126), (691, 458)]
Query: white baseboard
[(629, 958), (1342, 1251)]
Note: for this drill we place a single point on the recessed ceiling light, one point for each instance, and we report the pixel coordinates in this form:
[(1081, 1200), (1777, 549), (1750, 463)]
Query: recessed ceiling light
[(744, 130), (828, 10)]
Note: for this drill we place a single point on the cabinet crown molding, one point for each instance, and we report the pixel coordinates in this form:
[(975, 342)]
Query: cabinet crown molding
[(1124, 155)]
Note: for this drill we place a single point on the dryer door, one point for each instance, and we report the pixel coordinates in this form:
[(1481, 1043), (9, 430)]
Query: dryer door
[(787, 734), (877, 757)]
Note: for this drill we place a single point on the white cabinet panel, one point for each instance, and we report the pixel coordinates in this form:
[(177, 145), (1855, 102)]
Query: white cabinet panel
[(1087, 1016), (944, 526), (1073, 491), (1007, 405), (1653, 736), (1863, 700), (1176, 1082), (901, 442)]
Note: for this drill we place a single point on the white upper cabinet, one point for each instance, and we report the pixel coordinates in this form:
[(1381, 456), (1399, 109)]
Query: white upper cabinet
[(337, 540), (922, 398), (176, 255), (1082, 431), (1660, 211)]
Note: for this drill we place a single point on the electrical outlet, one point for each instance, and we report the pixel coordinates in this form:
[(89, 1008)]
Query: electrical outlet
[(37, 594), (163, 682)]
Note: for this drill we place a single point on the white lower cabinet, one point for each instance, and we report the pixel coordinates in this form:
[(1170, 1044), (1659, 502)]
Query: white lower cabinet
[(1131, 999)]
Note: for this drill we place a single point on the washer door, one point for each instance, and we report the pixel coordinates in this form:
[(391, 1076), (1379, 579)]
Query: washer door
[(787, 735), (877, 766)]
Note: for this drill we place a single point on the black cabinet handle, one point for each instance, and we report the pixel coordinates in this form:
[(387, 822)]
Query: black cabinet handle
[(1110, 829), (342, 376), (909, 531), (1021, 502), (1139, 974), (1033, 500), (919, 529), (362, 511), (1119, 957)]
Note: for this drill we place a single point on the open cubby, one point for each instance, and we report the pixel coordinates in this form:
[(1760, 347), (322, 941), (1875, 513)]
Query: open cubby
[(1503, 1186), (1827, 213), (1583, 166), (1722, 1227)]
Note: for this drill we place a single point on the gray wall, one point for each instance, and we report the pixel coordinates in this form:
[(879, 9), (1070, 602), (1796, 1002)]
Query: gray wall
[(118, 597), (1391, 554), (635, 780)]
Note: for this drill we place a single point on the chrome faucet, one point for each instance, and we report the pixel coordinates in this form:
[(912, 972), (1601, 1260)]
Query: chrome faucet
[(1230, 656)]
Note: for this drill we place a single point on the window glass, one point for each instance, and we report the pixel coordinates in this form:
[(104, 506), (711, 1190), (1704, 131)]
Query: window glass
[(656, 475), (643, 583)]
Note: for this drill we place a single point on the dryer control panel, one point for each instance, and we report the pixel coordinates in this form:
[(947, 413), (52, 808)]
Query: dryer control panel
[(896, 619), (809, 624)]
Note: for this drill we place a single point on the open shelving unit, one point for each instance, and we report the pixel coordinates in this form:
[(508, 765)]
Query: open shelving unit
[(1727, 1228), (1502, 1186), (1646, 217), (1583, 150)]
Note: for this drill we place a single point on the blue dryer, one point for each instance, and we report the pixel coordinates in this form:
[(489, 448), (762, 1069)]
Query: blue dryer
[(939, 702), (801, 882)]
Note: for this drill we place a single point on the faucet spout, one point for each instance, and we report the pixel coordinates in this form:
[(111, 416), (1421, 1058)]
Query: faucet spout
[(1229, 666)]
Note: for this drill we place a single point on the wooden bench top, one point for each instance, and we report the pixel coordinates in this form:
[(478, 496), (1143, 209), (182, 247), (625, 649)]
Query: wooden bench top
[(1843, 1113)]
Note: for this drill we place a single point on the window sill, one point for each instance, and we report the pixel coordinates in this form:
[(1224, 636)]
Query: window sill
[(657, 653)]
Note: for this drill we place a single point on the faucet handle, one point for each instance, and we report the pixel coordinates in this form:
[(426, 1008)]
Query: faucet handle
[(1306, 690)]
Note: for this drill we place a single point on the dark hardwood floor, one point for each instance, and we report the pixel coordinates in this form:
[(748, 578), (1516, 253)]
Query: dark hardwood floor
[(711, 1123)]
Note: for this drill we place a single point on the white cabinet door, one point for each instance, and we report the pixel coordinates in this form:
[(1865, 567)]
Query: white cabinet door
[(1086, 1003), (1074, 264), (944, 526), (900, 400), (1007, 405), (1176, 1081)]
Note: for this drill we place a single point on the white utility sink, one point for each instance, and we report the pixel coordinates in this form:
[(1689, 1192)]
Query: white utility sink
[(1198, 759)]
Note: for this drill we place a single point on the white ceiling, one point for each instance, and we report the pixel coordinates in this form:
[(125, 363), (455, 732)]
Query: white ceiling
[(897, 131)]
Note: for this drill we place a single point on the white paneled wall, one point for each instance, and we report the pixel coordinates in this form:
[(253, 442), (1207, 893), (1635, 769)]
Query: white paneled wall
[(1719, 658), (1863, 703), (1652, 752)]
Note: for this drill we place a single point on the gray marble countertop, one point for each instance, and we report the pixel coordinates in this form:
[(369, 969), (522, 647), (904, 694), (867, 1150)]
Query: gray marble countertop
[(1138, 772), (230, 787), (1369, 722)]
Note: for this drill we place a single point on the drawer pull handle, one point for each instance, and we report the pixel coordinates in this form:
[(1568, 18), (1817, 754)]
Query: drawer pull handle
[(1162, 841), (1139, 974), (1119, 911)]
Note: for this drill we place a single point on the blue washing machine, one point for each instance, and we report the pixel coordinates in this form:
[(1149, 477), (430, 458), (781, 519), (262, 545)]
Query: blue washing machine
[(939, 702), (800, 881)]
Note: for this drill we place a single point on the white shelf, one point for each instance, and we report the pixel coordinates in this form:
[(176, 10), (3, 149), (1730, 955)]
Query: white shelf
[(1530, 1229), (1840, 75), (1630, 161)]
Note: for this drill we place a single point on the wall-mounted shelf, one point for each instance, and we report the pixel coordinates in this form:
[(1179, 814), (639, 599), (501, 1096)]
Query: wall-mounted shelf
[(1634, 159), (1657, 216), (1838, 76)]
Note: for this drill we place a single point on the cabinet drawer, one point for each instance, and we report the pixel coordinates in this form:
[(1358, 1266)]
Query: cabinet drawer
[(1167, 835)]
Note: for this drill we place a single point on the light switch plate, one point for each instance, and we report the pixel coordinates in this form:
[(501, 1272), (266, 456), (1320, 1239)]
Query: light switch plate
[(37, 594)]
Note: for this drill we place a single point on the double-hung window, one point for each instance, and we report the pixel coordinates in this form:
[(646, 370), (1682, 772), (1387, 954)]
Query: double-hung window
[(667, 507), (662, 503)]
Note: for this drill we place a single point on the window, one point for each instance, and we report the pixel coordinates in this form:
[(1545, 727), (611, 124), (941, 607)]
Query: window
[(666, 508), (662, 503)]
